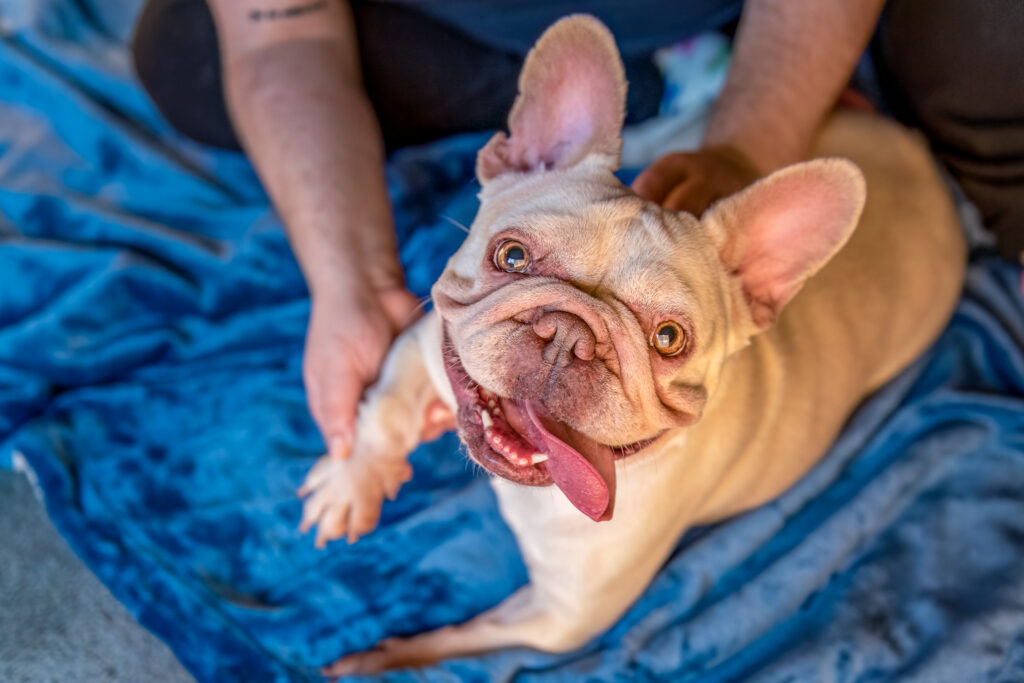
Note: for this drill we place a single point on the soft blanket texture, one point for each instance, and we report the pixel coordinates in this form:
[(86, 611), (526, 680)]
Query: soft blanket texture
[(151, 327)]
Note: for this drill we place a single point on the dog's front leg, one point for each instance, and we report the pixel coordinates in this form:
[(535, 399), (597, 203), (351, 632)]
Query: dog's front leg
[(403, 407)]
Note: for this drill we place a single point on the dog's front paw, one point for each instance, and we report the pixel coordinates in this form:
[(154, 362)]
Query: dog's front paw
[(345, 496)]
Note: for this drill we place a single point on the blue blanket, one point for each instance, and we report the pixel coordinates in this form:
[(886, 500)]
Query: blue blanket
[(151, 328)]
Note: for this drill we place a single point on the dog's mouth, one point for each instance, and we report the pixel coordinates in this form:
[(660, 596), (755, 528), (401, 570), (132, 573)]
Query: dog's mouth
[(518, 440)]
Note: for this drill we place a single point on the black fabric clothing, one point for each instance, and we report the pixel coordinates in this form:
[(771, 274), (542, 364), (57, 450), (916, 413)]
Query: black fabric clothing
[(425, 78), (640, 26), (954, 68)]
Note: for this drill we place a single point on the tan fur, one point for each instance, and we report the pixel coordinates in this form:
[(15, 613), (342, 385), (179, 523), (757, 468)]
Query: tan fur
[(775, 401), (576, 34)]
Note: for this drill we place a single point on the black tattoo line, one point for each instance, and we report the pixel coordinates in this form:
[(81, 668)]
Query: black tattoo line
[(287, 12)]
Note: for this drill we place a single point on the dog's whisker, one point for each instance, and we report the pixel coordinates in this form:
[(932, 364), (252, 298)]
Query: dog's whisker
[(456, 223)]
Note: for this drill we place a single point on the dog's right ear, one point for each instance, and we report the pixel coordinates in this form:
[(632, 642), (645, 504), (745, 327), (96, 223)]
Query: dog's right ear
[(781, 230), (571, 103)]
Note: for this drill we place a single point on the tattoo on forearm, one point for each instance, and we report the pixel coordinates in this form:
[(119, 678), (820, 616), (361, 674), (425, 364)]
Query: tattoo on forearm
[(287, 12)]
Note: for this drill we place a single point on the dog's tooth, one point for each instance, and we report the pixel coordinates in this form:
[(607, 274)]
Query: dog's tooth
[(538, 458), (491, 403), (485, 418)]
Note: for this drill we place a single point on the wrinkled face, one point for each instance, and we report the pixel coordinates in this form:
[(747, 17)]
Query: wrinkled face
[(583, 323), (578, 312)]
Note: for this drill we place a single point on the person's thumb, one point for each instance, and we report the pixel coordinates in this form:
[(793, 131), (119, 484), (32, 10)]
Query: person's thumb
[(338, 422), (659, 179), (401, 307), (333, 402)]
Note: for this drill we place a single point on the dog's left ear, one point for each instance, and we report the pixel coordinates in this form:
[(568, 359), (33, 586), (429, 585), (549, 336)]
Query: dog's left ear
[(781, 230), (571, 103)]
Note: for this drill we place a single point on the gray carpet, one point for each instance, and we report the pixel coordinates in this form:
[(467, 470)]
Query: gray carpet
[(57, 621)]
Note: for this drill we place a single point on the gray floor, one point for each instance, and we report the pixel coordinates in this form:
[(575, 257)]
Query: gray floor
[(57, 621)]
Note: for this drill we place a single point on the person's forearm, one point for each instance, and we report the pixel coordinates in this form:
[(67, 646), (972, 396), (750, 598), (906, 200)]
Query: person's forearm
[(298, 105), (316, 145), (791, 60)]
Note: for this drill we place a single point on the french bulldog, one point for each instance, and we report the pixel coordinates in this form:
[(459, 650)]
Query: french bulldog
[(658, 369)]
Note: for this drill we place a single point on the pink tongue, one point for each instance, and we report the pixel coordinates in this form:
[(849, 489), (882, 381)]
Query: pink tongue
[(586, 476)]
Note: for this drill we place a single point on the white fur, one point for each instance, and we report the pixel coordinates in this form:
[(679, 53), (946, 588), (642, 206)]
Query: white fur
[(778, 405), (775, 400)]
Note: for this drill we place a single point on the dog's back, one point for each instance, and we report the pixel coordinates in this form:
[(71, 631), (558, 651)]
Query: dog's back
[(875, 307), (905, 263)]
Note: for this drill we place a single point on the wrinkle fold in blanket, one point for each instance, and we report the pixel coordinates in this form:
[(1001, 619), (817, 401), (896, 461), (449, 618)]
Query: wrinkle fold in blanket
[(151, 329)]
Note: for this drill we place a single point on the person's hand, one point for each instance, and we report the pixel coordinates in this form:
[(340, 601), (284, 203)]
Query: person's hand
[(693, 181), (351, 328)]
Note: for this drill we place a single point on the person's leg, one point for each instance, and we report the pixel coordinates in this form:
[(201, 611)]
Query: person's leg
[(955, 68), (425, 79), (178, 63)]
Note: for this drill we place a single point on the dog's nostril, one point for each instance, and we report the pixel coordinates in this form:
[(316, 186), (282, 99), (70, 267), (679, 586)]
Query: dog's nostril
[(567, 335), (546, 326), (584, 348)]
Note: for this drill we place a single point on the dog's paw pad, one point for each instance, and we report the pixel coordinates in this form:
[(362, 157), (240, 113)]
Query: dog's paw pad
[(344, 497)]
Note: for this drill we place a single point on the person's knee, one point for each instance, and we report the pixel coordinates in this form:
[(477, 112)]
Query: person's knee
[(174, 48), (952, 68), (953, 60)]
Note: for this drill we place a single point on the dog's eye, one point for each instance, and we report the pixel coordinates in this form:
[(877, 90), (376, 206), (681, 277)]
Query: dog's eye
[(512, 257), (669, 338)]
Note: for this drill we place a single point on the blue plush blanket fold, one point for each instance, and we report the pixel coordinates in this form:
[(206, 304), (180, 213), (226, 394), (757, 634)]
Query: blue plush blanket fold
[(151, 328)]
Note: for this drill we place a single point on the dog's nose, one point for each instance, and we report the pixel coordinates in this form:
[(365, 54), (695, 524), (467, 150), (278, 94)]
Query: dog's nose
[(567, 336)]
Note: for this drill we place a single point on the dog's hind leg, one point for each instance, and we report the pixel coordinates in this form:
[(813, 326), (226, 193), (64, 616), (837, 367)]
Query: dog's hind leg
[(525, 619), (583, 577)]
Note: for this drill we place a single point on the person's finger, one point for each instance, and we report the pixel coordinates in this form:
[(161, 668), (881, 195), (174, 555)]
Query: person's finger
[(655, 182), (336, 407), (312, 391), (658, 179), (401, 307), (691, 195)]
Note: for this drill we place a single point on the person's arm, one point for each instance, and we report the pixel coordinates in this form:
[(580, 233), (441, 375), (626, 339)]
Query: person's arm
[(295, 94), (791, 60)]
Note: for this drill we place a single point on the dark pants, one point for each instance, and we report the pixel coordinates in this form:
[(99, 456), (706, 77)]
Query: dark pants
[(426, 80), (954, 68)]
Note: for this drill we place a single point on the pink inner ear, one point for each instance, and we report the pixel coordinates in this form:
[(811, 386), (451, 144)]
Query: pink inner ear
[(572, 95), (565, 113), (781, 230)]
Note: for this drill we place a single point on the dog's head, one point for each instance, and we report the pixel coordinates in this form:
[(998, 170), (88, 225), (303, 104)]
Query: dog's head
[(582, 323)]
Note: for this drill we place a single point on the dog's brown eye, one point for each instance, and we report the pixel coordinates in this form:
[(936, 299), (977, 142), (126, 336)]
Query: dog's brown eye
[(669, 338), (512, 257)]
